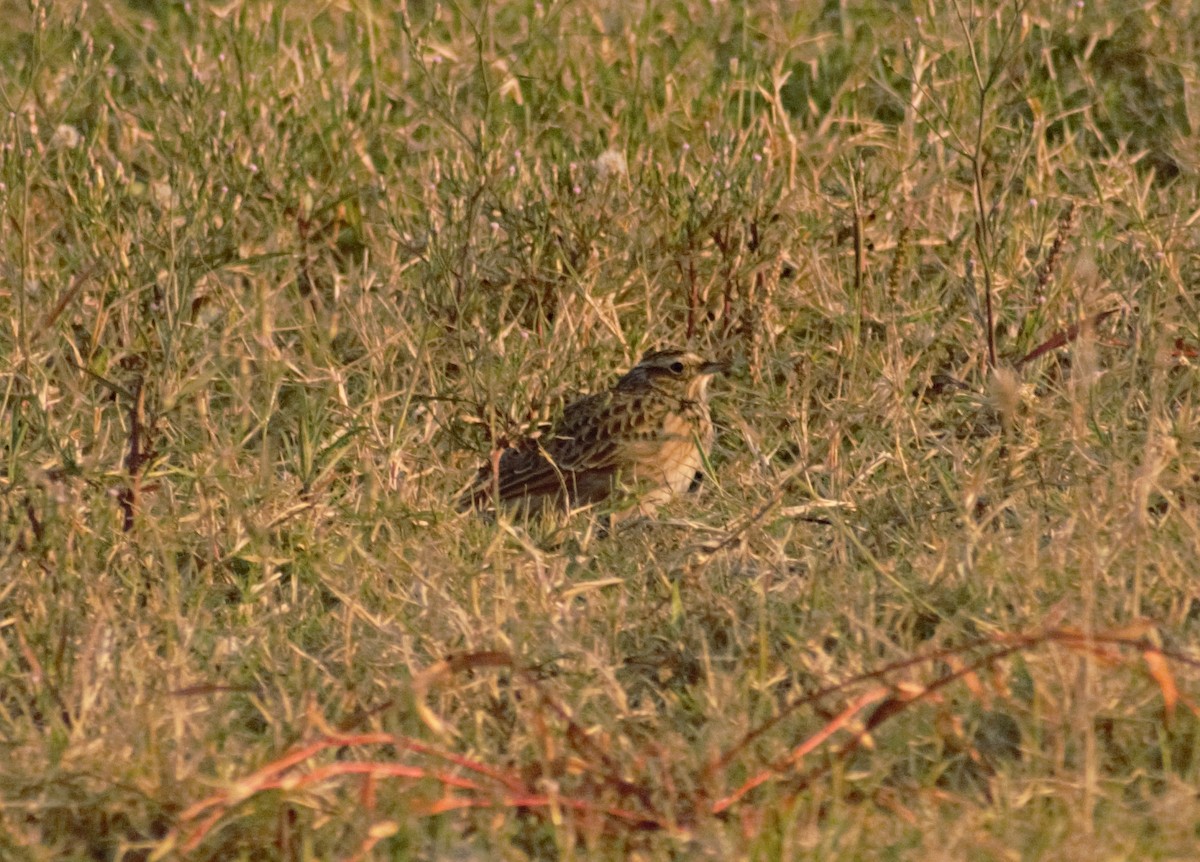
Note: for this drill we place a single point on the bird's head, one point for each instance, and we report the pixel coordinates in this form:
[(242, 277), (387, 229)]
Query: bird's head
[(678, 371)]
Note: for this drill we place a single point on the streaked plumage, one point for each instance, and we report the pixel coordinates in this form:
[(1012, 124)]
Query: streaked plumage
[(651, 432)]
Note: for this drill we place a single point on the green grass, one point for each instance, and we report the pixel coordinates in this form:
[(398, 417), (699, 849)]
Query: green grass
[(274, 281)]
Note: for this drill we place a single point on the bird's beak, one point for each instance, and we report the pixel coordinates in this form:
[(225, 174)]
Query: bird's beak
[(714, 368)]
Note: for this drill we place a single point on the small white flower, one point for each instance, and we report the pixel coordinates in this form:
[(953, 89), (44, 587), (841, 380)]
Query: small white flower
[(163, 194), (66, 138), (611, 163)]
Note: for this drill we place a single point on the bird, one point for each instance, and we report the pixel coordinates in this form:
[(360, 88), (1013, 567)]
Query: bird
[(650, 434)]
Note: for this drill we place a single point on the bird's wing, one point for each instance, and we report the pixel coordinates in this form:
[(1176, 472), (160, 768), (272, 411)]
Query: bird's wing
[(581, 446), (550, 464), (593, 438)]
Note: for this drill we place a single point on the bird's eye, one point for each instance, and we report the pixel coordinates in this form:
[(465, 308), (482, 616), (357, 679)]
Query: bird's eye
[(677, 367)]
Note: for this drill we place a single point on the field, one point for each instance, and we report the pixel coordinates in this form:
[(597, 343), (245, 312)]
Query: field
[(276, 279)]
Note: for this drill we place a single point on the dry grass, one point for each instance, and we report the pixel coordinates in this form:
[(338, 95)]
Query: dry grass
[(275, 281)]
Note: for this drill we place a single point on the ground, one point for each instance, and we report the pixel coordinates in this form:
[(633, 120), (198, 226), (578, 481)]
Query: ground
[(278, 278)]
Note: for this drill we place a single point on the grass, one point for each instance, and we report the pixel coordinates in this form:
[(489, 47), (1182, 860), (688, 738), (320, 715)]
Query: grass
[(276, 278)]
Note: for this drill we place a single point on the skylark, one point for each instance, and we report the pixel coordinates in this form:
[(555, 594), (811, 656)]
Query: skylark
[(649, 434)]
